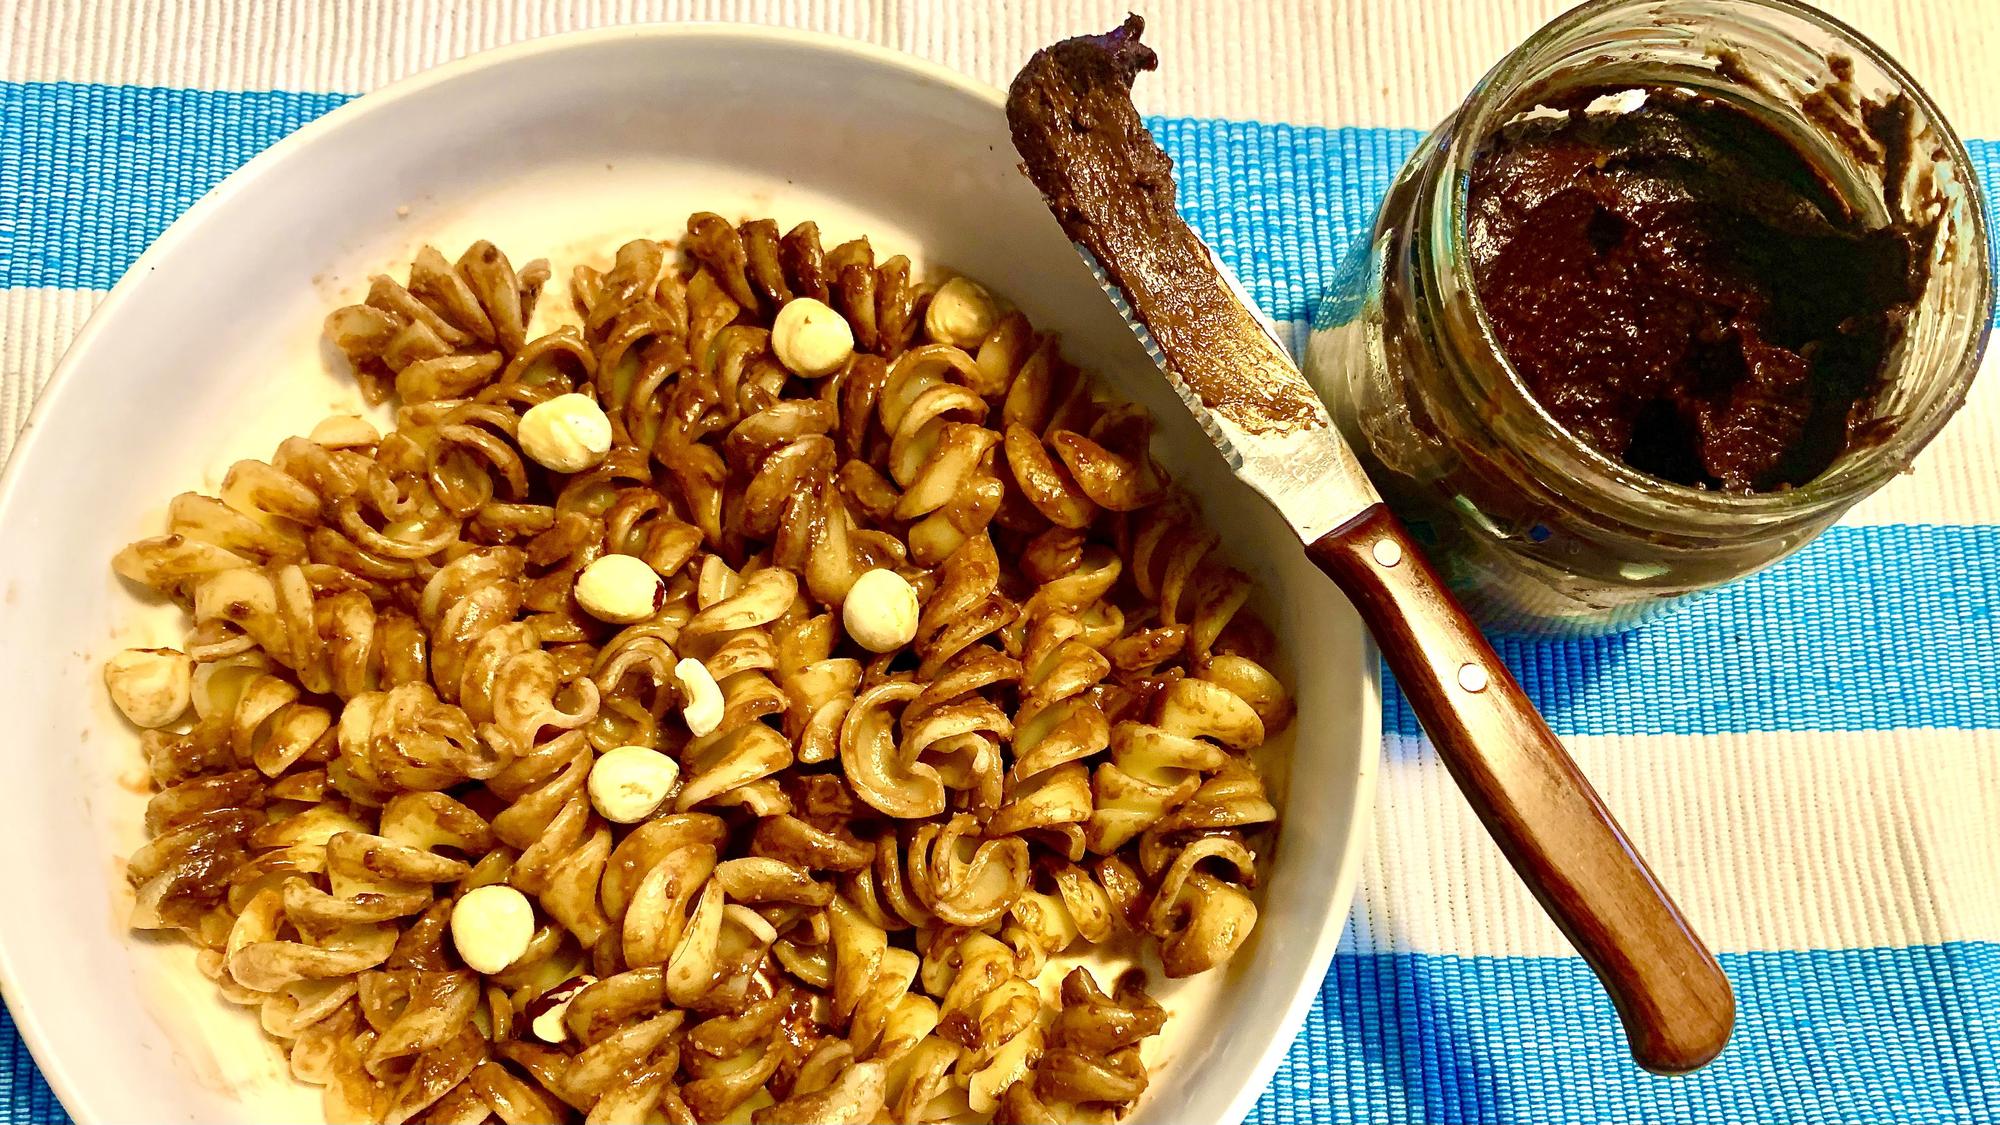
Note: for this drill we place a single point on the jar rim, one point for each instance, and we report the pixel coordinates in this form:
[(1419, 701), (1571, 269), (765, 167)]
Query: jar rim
[(1856, 472)]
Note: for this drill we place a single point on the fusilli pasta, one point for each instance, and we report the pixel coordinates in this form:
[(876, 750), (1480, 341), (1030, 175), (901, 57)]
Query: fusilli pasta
[(859, 864)]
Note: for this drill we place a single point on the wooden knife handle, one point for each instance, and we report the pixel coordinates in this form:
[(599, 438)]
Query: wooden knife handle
[(1671, 995)]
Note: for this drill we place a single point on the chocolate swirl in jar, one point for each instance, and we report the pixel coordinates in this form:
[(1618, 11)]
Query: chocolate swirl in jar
[(1683, 288)]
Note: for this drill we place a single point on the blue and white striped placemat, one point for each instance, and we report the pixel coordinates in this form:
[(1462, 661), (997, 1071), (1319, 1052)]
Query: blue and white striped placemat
[(1811, 758)]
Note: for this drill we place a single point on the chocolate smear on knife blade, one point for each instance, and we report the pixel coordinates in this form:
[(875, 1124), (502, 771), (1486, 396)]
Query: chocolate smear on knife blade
[(1112, 188)]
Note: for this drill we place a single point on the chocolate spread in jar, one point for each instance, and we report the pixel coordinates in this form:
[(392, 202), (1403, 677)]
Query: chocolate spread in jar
[(1682, 288)]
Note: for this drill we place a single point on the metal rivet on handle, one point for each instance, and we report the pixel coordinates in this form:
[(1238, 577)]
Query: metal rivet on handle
[(1388, 552), (1472, 677)]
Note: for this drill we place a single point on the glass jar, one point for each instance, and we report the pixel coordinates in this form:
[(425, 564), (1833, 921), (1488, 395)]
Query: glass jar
[(1539, 532)]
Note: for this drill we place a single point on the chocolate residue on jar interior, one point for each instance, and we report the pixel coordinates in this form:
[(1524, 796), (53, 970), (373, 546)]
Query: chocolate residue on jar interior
[(1683, 289)]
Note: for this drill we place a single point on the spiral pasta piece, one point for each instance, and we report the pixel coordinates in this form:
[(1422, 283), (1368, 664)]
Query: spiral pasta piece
[(819, 687), (1093, 1050), (1042, 924), (988, 1010), (732, 632)]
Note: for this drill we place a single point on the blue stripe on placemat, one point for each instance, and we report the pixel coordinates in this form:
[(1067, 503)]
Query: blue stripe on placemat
[(95, 173), (24, 1097), (92, 174), (1282, 203), (1890, 1036), (1882, 628)]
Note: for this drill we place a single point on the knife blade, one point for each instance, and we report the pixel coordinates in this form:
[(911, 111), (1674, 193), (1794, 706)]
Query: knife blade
[(1306, 470), (1110, 186)]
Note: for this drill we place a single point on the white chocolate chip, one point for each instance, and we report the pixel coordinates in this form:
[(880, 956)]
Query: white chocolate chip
[(881, 611), (491, 926), (545, 1013), (810, 338), (620, 589), (701, 697), (344, 431), (627, 783), (150, 685), (569, 433), (961, 312)]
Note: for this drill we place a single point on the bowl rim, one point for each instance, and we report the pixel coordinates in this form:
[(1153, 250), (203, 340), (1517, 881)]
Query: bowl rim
[(73, 1091)]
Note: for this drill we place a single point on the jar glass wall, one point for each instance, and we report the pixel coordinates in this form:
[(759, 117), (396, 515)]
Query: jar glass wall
[(1537, 530)]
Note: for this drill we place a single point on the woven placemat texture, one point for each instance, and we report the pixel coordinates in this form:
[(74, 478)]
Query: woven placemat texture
[(1810, 757)]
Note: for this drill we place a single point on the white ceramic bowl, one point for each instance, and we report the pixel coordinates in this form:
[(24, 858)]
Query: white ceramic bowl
[(209, 350)]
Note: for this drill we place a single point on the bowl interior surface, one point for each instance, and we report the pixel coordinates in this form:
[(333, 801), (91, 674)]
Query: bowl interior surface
[(210, 351)]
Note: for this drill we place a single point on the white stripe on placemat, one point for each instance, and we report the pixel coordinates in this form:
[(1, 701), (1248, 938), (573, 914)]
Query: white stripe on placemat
[(36, 325), (1767, 841), (1954, 479), (1348, 62)]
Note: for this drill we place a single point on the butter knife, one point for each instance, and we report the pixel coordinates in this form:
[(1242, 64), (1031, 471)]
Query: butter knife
[(1110, 185)]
